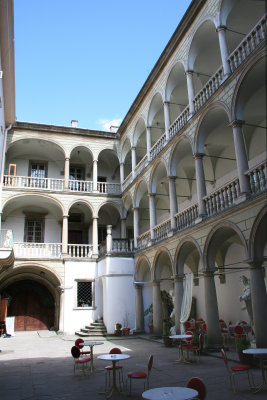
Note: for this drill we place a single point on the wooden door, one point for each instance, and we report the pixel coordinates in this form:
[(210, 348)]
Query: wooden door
[(33, 309)]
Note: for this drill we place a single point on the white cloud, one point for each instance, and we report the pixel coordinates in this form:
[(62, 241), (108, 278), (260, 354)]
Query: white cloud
[(109, 125)]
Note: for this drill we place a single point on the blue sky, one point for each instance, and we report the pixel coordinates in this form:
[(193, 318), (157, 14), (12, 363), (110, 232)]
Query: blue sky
[(87, 59)]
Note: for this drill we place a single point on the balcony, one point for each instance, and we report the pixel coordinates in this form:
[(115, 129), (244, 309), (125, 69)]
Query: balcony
[(6, 248), (28, 183), (248, 45)]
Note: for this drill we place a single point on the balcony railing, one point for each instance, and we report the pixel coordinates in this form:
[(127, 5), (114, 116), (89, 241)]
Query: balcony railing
[(122, 245), (258, 179), (141, 165), (162, 230), (252, 40), (6, 239), (187, 217), (80, 250), (222, 198), (28, 182), (255, 37), (144, 240), (37, 250)]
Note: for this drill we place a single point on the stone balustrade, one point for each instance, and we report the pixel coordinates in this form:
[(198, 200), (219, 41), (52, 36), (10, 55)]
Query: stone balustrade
[(28, 182), (257, 178), (80, 250), (179, 123), (187, 217), (37, 250), (6, 238), (158, 146), (162, 230), (144, 240), (222, 198), (208, 90)]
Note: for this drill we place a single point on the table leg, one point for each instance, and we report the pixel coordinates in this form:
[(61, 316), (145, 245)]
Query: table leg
[(114, 387), (263, 379), (181, 355), (92, 359)]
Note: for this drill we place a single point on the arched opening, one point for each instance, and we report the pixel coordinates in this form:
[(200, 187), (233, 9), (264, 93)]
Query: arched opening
[(156, 118), (140, 140), (176, 91)]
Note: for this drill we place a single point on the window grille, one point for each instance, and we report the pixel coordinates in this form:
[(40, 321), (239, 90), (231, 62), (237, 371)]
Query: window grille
[(33, 231), (84, 294)]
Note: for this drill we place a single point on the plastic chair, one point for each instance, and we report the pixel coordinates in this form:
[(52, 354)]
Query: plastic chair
[(78, 360), (141, 374), (235, 369), (79, 343), (109, 368), (199, 386)]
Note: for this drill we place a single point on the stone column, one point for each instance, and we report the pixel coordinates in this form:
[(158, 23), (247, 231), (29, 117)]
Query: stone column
[(139, 307), (109, 239), (221, 30), (123, 228), (61, 309), (201, 184), (66, 172), (214, 337), (95, 175), (259, 303), (133, 160), (95, 237), (167, 118), (178, 298), (136, 225), (241, 156), (190, 91), (152, 214), (122, 172), (157, 308), (173, 201), (65, 234), (148, 141)]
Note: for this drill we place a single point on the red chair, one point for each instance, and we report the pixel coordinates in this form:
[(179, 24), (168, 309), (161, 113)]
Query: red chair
[(141, 375), (199, 386), (196, 349), (79, 343), (78, 360), (109, 368), (238, 333), (188, 343), (235, 369)]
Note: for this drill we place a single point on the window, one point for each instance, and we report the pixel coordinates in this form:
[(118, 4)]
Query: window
[(37, 174), (102, 233), (34, 230), (84, 294), (76, 173)]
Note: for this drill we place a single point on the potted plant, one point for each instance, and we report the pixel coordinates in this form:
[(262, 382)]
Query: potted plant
[(165, 335), (149, 312), (118, 331), (244, 344), (126, 329)]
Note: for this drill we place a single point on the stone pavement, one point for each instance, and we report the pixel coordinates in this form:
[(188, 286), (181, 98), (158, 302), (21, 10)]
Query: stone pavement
[(39, 366)]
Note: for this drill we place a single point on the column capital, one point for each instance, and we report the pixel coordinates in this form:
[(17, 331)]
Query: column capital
[(155, 283), (67, 158), (95, 160), (65, 216), (122, 163), (254, 264), (189, 72), (236, 123), (151, 194), (95, 217), (198, 155), (133, 147), (209, 273), (178, 278), (138, 285), (221, 28), (172, 177), (136, 208), (166, 102)]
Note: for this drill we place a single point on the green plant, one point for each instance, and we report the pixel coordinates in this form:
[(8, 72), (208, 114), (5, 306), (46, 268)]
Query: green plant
[(149, 310), (166, 330), (243, 344)]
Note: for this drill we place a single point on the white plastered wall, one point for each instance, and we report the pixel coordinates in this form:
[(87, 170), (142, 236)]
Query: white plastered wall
[(118, 291)]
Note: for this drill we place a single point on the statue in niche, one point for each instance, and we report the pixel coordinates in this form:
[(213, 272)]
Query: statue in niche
[(246, 297)]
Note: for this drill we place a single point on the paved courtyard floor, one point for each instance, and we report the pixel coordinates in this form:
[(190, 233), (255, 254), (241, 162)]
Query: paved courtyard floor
[(39, 366)]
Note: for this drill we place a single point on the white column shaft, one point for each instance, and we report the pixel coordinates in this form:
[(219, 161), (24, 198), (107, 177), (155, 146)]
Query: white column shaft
[(190, 91), (95, 175), (66, 173), (167, 118), (65, 234), (224, 49), (201, 184), (241, 156), (173, 201)]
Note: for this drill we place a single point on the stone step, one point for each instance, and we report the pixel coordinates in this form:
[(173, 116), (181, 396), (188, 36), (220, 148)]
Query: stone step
[(96, 328), (83, 334)]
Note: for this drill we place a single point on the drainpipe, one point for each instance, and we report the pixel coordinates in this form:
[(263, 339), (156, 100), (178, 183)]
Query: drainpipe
[(2, 168)]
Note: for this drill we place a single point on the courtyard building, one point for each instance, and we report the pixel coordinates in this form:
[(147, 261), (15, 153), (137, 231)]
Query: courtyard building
[(97, 225)]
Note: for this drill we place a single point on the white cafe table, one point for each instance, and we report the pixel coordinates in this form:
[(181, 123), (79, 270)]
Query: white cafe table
[(260, 353), (180, 338), (91, 345), (114, 358), (170, 393)]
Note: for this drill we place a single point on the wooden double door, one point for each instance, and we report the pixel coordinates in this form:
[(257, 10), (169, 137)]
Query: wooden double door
[(32, 305)]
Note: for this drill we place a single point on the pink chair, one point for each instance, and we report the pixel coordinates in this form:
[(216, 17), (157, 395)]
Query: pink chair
[(109, 368), (78, 360), (79, 343), (238, 333), (141, 374), (235, 369), (199, 386)]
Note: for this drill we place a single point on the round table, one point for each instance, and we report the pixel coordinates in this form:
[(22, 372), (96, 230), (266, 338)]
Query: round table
[(180, 338), (259, 352), (114, 358), (91, 345), (170, 393)]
